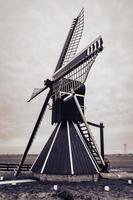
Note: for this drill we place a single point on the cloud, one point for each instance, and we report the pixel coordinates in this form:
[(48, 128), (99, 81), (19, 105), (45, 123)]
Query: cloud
[(31, 38)]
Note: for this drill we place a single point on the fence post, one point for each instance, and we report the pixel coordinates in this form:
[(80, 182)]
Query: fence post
[(102, 140), (7, 166)]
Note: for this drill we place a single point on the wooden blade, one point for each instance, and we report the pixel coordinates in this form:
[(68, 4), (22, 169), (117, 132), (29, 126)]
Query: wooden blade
[(72, 41), (74, 74), (33, 133), (36, 92)]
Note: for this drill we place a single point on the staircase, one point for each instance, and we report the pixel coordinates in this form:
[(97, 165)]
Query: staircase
[(90, 142)]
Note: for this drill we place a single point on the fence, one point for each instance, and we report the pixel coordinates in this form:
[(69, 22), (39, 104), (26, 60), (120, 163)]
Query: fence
[(12, 167)]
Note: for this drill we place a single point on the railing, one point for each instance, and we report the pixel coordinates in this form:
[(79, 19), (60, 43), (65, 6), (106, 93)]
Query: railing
[(12, 167)]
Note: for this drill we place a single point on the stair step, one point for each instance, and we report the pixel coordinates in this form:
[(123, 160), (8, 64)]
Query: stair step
[(84, 127), (85, 132)]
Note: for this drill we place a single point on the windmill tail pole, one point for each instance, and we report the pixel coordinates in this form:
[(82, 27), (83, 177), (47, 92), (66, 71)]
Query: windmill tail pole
[(17, 171)]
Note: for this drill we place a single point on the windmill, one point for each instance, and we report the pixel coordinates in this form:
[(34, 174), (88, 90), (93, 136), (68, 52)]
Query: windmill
[(71, 148)]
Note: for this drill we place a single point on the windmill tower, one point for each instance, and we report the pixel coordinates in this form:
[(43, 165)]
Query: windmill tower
[(71, 149)]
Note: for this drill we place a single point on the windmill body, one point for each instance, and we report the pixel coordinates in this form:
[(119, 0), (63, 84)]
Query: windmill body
[(71, 148), (63, 111)]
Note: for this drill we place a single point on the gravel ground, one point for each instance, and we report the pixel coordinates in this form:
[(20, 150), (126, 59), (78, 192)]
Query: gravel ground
[(117, 180), (119, 189)]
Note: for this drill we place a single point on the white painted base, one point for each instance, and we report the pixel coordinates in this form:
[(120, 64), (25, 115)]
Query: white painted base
[(66, 178)]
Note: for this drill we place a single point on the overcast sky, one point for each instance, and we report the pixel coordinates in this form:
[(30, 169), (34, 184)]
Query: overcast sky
[(32, 34)]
